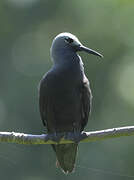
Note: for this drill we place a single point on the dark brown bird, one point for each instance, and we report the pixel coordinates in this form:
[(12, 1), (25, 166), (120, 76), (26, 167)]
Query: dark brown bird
[(65, 95)]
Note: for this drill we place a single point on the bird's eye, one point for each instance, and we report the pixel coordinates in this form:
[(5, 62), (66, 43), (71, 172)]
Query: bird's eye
[(69, 40)]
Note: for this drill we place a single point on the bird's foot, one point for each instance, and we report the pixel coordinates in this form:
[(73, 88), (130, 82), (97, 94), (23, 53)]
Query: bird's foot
[(76, 136), (73, 136), (83, 135), (56, 137)]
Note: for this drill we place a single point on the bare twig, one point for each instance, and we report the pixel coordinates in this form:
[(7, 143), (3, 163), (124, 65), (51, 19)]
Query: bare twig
[(63, 138)]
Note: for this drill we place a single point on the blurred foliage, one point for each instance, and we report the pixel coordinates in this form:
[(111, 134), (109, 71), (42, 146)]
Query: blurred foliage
[(27, 28)]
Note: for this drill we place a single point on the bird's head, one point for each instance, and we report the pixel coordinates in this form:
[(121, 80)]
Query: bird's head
[(65, 44)]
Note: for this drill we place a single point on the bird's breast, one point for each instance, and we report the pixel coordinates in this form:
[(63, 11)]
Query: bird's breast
[(66, 79)]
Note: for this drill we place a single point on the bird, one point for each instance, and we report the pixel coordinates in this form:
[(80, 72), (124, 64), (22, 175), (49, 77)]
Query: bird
[(65, 96)]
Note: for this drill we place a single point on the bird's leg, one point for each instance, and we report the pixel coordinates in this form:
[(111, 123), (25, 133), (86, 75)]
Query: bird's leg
[(76, 132), (56, 137)]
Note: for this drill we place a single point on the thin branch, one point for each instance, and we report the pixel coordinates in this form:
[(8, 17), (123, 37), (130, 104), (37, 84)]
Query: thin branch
[(64, 138)]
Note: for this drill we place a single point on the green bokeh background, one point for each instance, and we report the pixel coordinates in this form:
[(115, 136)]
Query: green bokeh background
[(27, 28)]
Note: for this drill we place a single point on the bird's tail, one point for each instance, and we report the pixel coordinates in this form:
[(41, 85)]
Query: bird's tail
[(66, 156)]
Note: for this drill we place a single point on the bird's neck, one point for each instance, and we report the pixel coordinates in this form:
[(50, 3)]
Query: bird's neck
[(72, 68), (65, 58)]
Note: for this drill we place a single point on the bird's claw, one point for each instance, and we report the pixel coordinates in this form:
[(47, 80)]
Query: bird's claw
[(56, 137), (73, 136), (77, 137)]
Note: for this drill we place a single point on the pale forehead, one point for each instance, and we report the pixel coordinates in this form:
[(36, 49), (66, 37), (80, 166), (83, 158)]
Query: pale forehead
[(65, 35)]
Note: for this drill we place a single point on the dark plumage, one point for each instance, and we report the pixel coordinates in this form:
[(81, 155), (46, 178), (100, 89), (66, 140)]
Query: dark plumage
[(65, 96)]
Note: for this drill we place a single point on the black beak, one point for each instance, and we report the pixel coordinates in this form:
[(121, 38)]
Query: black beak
[(90, 51)]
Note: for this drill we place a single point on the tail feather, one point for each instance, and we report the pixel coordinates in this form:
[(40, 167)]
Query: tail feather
[(66, 156)]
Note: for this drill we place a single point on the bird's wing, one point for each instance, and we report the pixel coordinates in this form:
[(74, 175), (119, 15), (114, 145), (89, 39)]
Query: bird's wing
[(43, 100), (86, 99)]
